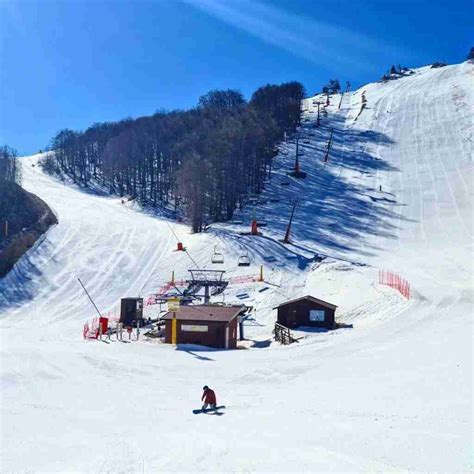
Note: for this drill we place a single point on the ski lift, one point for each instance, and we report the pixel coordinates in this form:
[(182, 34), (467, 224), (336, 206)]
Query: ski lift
[(285, 182), (217, 257), (244, 260)]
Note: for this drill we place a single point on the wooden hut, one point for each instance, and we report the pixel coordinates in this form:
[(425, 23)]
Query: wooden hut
[(306, 311), (131, 311), (212, 326)]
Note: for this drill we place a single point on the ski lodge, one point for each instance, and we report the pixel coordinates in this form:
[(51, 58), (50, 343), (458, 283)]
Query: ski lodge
[(212, 326), (306, 311)]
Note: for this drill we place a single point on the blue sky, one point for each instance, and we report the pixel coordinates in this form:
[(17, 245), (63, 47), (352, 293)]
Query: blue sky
[(70, 63)]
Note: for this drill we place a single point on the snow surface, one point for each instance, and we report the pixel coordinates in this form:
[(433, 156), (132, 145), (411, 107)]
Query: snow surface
[(394, 393)]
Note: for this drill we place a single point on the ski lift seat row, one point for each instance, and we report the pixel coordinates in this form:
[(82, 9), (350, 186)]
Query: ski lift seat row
[(244, 260), (217, 257)]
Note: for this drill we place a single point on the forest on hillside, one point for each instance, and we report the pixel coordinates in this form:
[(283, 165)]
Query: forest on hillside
[(10, 170), (24, 217), (203, 163)]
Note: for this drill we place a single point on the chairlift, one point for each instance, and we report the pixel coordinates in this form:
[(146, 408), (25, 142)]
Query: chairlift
[(244, 260), (217, 257), (285, 182)]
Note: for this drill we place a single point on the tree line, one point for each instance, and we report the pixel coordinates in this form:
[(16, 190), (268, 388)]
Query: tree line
[(204, 162), (10, 170)]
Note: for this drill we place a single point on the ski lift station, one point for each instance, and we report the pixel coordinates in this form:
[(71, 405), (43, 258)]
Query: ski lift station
[(212, 326), (306, 311)]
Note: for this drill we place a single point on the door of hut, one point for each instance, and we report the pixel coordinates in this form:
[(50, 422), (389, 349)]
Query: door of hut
[(291, 319)]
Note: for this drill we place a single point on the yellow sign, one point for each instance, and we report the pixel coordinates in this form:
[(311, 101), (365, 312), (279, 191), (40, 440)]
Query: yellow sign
[(173, 305)]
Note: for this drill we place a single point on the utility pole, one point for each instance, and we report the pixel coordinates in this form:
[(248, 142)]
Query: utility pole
[(89, 296), (318, 121), (297, 162), (326, 156), (254, 225), (286, 240)]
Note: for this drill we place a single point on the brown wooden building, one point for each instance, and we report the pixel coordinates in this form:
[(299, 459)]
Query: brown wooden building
[(212, 326), (306, 311)]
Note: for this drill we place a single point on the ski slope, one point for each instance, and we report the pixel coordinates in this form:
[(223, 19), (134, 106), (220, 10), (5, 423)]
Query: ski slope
[(392, 394)]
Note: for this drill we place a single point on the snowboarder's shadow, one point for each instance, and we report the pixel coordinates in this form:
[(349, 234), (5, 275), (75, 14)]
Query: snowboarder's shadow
[(215, 413)]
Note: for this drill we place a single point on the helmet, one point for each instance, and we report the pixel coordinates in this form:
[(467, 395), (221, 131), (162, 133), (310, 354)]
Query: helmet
[(205, 387)]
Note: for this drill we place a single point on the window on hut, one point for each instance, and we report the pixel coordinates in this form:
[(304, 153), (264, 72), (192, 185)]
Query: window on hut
[(316, 315)]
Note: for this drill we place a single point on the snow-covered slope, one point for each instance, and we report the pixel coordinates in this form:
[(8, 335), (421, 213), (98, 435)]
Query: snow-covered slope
[(393, 393)]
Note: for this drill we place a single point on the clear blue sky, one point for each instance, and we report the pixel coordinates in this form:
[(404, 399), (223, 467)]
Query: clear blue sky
[(70, 63)]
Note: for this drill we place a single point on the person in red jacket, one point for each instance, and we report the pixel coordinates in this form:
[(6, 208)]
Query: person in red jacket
[(209, 398)]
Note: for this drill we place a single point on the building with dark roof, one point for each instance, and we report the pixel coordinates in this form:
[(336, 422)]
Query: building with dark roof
[(212, 326), (306, 311)]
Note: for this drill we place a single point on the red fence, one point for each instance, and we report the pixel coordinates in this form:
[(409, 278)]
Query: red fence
[(395, 281), (92, 330), (243, 279)]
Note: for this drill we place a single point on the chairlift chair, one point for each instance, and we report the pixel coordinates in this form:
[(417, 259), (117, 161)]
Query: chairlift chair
[(217, 257), (244, 260)]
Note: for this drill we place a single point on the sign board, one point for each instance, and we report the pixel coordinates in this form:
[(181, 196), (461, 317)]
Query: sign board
[(173, 305), (194, 328), (316, 315)]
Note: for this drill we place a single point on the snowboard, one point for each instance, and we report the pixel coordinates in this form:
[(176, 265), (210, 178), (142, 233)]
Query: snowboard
[(207, 410)]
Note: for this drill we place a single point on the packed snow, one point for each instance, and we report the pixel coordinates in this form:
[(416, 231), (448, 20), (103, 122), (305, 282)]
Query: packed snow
[(392, 393)]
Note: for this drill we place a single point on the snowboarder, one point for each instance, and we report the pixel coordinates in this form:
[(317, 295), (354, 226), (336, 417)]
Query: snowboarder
[(209, 398)]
